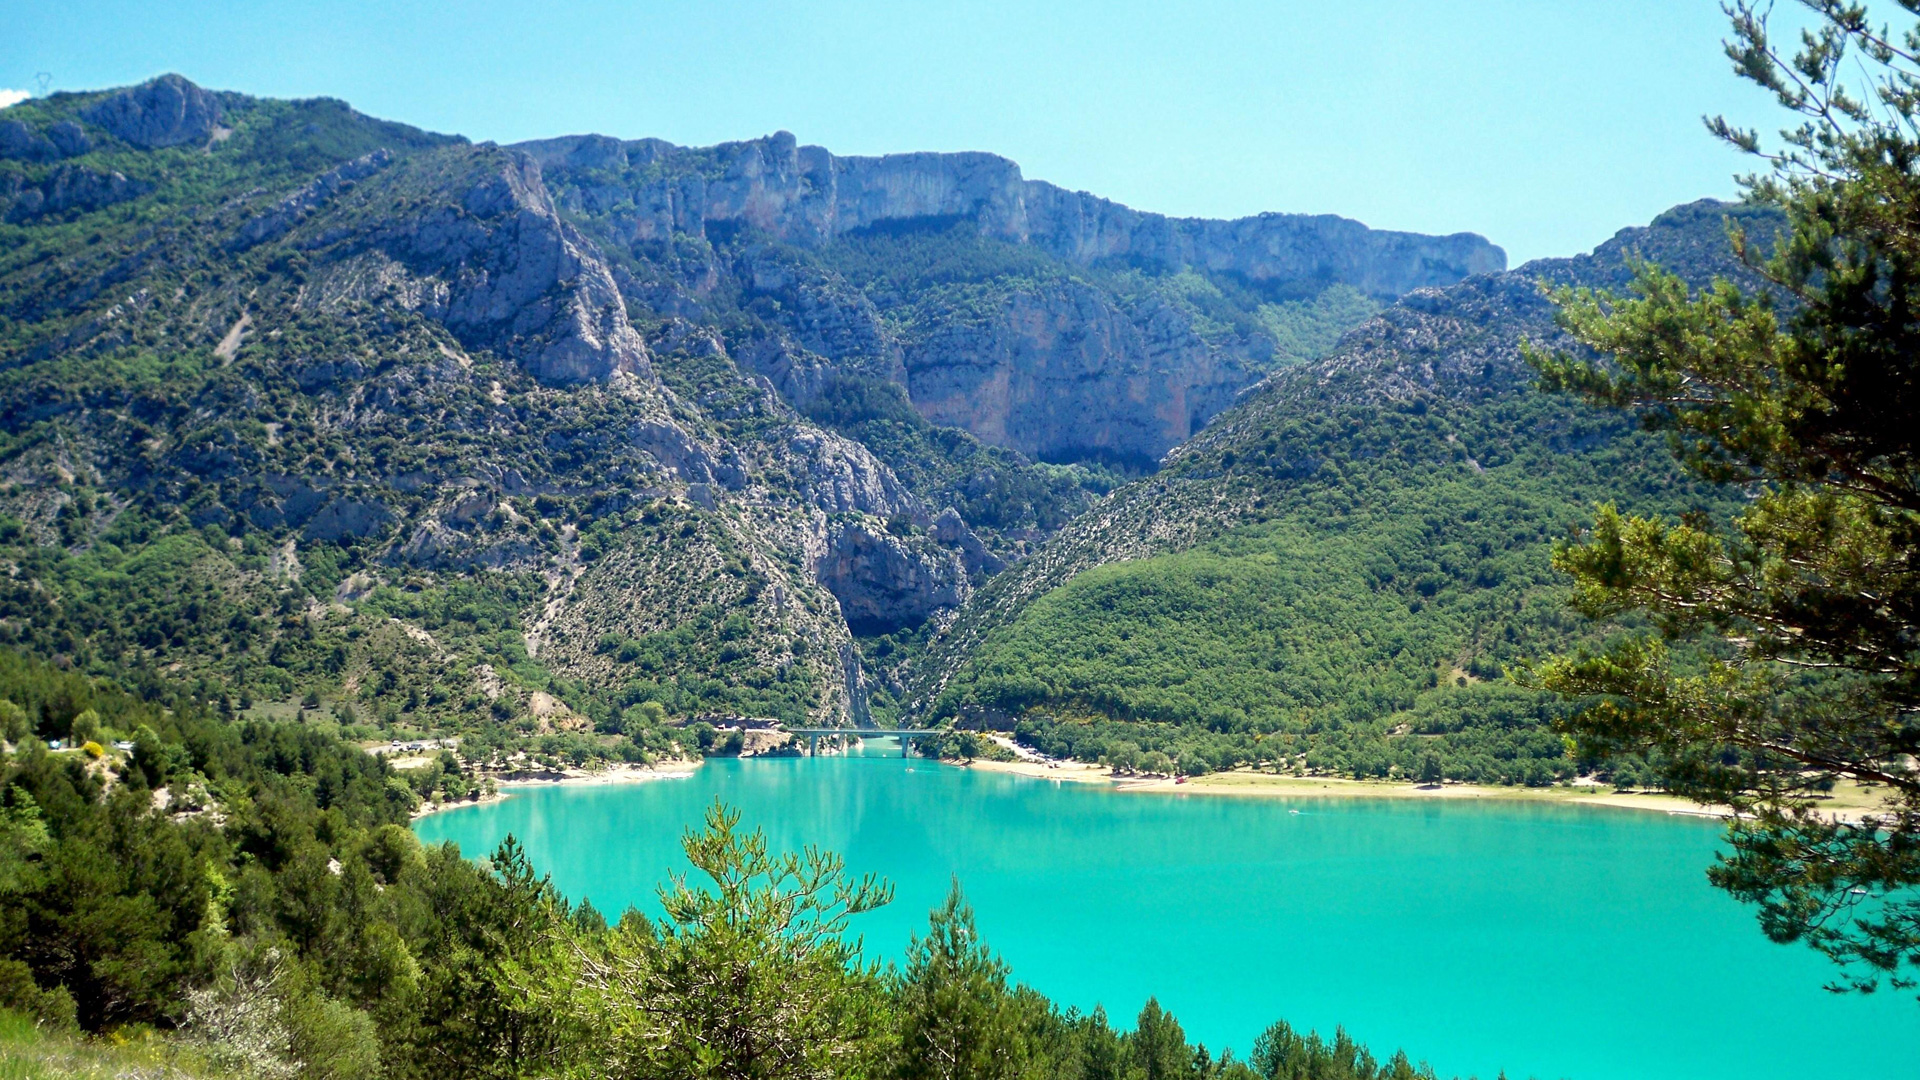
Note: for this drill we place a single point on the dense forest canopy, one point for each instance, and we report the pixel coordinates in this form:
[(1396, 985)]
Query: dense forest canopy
[(280, 917)]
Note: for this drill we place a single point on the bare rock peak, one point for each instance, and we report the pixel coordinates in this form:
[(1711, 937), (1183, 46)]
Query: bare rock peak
[(167, 111)]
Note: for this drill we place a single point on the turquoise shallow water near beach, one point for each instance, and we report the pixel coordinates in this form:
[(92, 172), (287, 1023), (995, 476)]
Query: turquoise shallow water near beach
[(1544, 940)]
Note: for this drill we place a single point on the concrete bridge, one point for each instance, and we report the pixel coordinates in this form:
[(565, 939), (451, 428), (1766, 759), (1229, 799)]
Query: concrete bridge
[(814, 735)]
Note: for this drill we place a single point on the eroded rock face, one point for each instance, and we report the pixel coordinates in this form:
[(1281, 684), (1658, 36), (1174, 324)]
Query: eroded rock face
[(22, 143), (532, 288), (69, 139), (951, 529), (65, 139), (804, 194), (291, 210), (1061, 373), (488, 258), (885, 582), (1056, 366), (169, 111), (843, 477), (684, 456), (73, 188)]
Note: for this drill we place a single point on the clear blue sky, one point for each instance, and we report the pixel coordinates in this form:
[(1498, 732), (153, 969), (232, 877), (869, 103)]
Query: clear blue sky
[(1544, 124)]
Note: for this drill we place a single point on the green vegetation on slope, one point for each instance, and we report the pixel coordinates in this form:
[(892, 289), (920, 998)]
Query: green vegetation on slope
[(32, 1050), (1353, 613), (244, 899), (1308, 329), (250, 638), (1813, 590), (158, 495), (920, 274)]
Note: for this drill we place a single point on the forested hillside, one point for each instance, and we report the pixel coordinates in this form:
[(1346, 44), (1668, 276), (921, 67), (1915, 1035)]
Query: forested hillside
[(571, 441), (1335, 575), (245, 900)]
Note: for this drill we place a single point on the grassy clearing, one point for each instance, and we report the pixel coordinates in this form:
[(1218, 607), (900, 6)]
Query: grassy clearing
[(29, 1052)]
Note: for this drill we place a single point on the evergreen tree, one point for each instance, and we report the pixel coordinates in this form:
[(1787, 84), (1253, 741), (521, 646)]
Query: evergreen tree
[(957, 1017), (1157, 1049), (752, 978), (1430, 774), (1807, 392), (1101, 1056)]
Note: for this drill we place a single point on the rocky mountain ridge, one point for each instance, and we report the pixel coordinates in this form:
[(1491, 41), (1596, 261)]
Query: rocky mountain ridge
[(1438, 348), (1055, 363), (414, 422), (807, 195)]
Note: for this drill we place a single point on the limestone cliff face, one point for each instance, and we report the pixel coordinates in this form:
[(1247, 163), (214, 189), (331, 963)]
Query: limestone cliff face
[(471, 240), (881, 580), (67, 188), (523, 282), (490, 259), (1063, 366), (884, 582), (806, 195), (839, 476), (1063, 373)]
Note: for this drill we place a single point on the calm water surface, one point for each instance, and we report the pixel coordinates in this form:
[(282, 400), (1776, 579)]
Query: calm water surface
[(1544, 940)]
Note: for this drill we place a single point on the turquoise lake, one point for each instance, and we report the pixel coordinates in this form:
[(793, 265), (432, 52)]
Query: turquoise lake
[(1548, 941)]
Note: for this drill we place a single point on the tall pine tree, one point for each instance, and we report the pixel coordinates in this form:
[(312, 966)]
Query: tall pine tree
[(1788, 647), (958, 1019)]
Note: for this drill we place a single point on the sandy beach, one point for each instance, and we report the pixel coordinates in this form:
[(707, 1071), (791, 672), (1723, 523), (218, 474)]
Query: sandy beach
[(1076, 772), (506, 783), (1848, 802)]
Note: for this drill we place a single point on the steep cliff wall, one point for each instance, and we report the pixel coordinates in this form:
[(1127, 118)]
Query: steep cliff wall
[(1056, 323), (806, 195), (1064, 373)]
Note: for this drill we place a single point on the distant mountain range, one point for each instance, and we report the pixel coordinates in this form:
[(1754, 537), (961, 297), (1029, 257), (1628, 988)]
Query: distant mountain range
[(1340, 568), (296, 401)]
